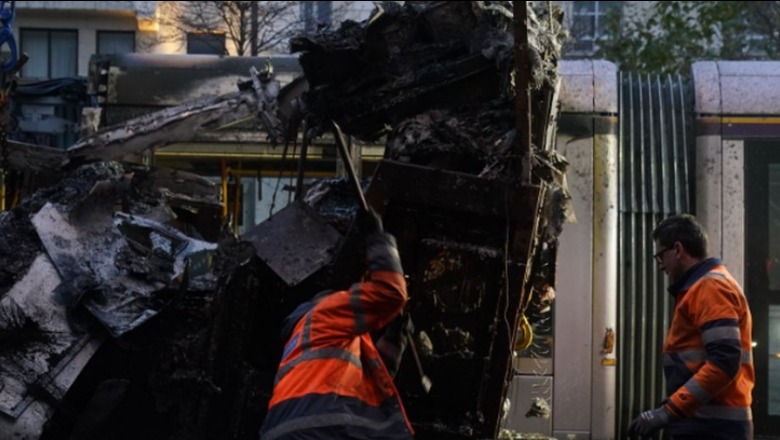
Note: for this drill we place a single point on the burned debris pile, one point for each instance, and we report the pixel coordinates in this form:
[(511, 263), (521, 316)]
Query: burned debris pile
[(436, 82), (435, 78), (92, 257), (125, 313), (409, 58)]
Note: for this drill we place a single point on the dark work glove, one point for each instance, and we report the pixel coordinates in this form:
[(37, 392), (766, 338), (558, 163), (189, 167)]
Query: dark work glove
[(649, 422), (370, 222), (382, 254), (393, 342)]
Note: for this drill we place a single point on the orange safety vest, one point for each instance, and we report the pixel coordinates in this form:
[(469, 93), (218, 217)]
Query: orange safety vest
[(708, 355), (331, 382)]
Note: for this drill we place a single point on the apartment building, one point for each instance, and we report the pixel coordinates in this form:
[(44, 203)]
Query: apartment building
[(587, 23), (745, 33), (60, 36)]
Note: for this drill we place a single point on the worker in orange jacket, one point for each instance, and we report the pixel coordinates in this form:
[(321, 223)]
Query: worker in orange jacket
[(707, 355), (331, 382)]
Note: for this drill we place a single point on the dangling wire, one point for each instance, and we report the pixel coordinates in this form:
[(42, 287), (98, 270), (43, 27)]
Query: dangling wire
[(292, 176), (281, 171)]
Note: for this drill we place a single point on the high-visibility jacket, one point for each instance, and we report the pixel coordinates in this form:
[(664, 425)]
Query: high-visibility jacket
[(708, 357), (331, 382)]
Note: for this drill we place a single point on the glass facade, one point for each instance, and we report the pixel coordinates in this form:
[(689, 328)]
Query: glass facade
[(53, 53), (111, 42), (588, 23)]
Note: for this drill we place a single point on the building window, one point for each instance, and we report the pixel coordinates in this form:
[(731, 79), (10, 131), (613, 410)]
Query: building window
[(206, 44), (755, 38), (53, 53), (588, 24), (316, 15), (111, 42)]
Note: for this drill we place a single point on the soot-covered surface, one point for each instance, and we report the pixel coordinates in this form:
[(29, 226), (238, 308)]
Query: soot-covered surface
[(197, 356)]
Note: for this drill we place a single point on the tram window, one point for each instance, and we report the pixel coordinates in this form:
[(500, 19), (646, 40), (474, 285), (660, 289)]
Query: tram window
[(773, 260), (774, 361)]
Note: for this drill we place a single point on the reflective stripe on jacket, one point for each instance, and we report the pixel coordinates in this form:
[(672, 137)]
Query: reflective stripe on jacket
[(707, 356), (331, 382)]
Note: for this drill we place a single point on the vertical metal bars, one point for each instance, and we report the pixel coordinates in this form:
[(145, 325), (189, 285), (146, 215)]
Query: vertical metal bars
[(654, 163)]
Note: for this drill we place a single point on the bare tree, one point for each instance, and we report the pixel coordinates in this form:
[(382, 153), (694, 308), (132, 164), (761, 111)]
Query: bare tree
[(275, 22)]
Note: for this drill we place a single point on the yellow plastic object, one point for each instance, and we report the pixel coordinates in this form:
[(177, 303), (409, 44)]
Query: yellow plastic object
[(525, 334)]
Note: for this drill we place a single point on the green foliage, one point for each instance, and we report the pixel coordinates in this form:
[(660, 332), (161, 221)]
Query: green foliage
[(669, 35)]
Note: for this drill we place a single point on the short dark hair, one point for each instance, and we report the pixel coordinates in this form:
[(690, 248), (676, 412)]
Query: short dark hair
[(685, 229)]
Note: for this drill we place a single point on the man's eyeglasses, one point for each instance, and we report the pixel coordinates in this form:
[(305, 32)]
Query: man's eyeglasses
[(658, 256)]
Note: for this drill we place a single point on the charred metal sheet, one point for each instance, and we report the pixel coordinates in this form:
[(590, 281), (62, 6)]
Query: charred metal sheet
[(92, 193), (158, 251), (20, 244), (295, 243), (445, 262), (177, 78), (31, 157), (234, 94), (123, 263), (465, 193), (184, 188), (447, 224), (38, 340), (188, 201), (74, 249), (45, 341), (256, 97), (29, 425), (19, 247), (164, 127)]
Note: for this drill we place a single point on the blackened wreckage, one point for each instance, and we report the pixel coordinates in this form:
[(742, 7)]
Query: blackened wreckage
[(127, 312)]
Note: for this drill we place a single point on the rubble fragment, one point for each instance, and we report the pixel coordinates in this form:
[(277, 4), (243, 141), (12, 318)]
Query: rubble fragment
[(75, 260), (295, 242)]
